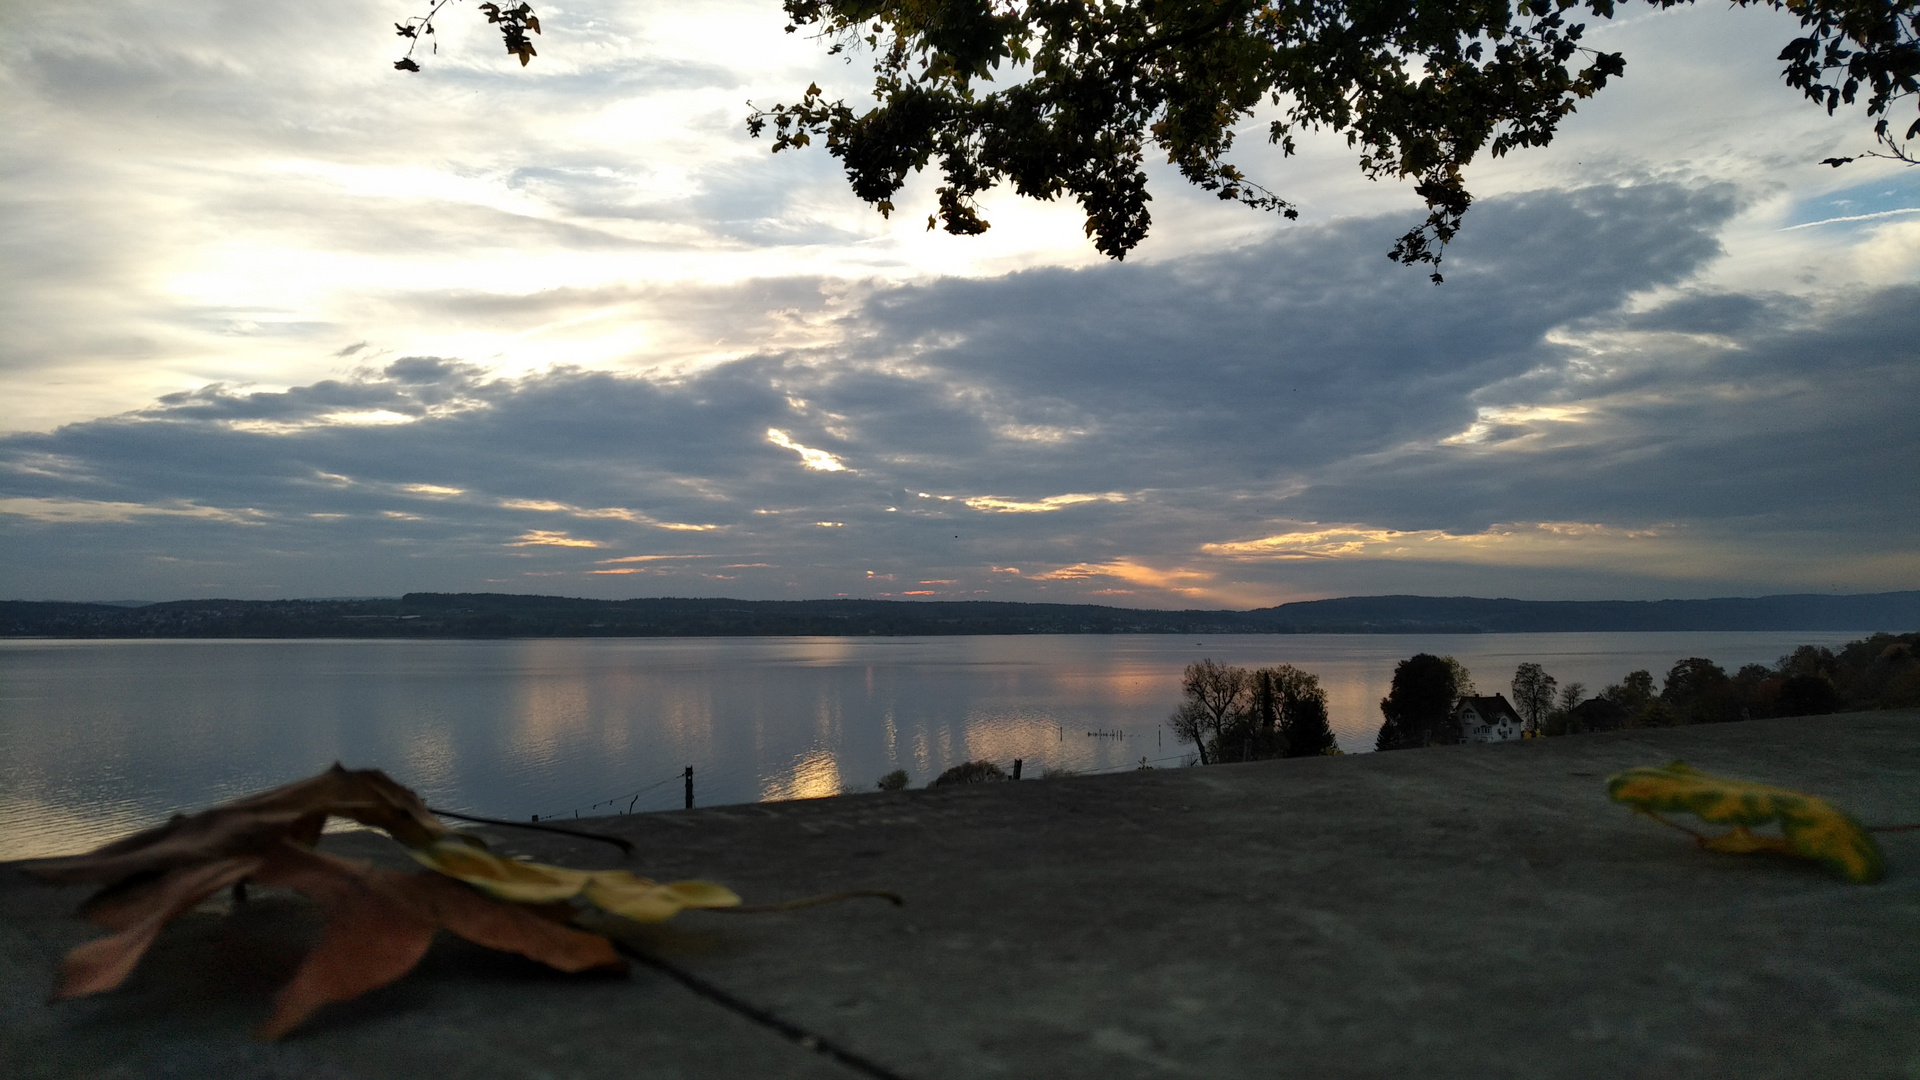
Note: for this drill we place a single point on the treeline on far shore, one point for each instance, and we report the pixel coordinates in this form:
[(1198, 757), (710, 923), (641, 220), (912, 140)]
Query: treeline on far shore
[(502, 615)]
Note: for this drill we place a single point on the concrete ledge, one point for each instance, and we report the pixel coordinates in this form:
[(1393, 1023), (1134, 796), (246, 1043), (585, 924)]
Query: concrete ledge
[(1471, 912)]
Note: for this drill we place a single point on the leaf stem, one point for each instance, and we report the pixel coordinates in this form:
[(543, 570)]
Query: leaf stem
[(811, 901)]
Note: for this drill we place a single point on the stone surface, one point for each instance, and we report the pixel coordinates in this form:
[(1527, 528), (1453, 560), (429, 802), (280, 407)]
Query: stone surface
[(1478, 911)]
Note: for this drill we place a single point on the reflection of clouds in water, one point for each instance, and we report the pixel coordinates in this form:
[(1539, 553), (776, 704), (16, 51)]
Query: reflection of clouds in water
[(922, 751), (827, 712), (1001, 734), (1115, 686), (550, 710), (1353, 706), (36, 827), (429, 755), (97, 737)]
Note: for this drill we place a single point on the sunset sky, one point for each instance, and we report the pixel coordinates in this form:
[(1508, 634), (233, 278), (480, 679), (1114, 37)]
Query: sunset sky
[(282, 321)]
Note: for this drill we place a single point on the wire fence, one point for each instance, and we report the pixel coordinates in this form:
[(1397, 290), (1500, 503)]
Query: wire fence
[(1143, 763), (658, 795), (629, 799)]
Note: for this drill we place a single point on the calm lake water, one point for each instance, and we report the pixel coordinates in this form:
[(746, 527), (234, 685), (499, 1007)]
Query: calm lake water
[(101, 737)]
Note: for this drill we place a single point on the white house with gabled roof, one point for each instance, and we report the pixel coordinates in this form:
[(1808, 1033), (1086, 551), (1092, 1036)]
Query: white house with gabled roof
[(1487, 719)]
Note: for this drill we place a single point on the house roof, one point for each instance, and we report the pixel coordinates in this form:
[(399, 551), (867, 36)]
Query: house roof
[(1492, 708), (1599, 709)]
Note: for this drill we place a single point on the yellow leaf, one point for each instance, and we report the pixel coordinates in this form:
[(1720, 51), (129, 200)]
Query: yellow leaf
[(1742, 842), (502, 879), (641, 900), (1810, 827), (615, 891)]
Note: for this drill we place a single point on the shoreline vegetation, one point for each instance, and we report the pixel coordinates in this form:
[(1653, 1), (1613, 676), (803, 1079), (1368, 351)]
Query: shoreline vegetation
[(500, 615), (1878, 672), (1233, 714)]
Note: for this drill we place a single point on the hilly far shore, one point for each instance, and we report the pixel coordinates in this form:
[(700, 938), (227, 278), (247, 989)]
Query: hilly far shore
[(503, 615)]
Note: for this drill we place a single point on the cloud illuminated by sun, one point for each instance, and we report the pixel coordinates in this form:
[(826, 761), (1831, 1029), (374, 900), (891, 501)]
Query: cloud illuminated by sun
[(1537, 542), (544, 538), (1178, 580), (1532, 417), (89, 510), (614, 513), (997, 505), (650, 558), (810, 458)]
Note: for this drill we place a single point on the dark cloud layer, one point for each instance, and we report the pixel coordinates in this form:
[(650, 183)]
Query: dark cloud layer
[(1110, 432)]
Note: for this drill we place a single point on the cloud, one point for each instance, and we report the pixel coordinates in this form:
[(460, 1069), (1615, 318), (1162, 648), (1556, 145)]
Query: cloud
[(1504, 543), (818, 460), (997, 505), (1573, 413), (649, 558), (75, 511), (546, 538)]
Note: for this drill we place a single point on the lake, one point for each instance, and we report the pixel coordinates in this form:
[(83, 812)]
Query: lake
[(98, 738)]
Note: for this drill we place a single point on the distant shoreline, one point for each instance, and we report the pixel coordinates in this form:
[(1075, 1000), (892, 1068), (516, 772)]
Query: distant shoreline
[(500, 615)]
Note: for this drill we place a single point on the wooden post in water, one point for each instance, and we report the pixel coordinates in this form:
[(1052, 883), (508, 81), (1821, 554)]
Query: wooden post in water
[(689, 775)]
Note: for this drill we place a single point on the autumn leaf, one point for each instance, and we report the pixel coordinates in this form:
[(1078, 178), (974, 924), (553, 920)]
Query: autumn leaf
[(253, 823), (616, 891), (138, 913), (1810, 828), (379, 923)]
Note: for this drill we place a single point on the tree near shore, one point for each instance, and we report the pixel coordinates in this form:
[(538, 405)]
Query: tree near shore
[(1303, 727), (1533, 698), (1418, 710), (1232, 714), (1216, 696), (1089, 91)]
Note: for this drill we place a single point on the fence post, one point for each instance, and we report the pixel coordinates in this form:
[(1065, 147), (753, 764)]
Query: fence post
[(1016, 768), (689, 775)]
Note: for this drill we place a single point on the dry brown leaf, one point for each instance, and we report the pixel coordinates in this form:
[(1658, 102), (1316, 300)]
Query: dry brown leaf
[(380, 922), (138, 914), (251, 824), (379, 925)]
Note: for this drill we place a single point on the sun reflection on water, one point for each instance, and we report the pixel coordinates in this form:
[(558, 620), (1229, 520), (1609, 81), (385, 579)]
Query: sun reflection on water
[(815, 775)]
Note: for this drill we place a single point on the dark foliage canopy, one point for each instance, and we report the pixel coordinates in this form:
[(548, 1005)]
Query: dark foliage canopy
[(1876, 672), (971, 772), (1232, 714), (1305, 730), (1065, 98), (1418, 709)]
